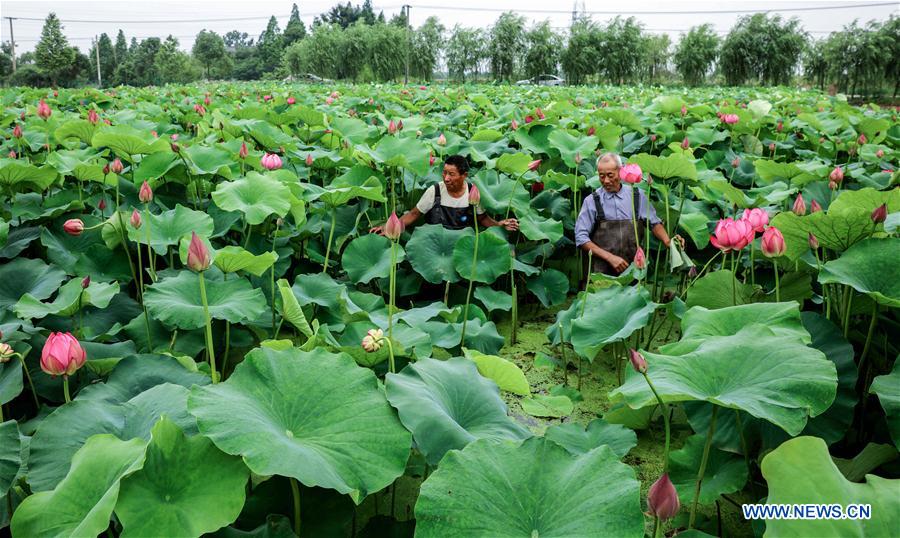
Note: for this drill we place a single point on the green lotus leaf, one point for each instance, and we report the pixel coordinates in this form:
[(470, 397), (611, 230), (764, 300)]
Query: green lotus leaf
[(401, 152), (579, 441), (291, 310), (569, 146), (318, 288), (169, 227), (430, 252), (550, 287), (514, 164), (176, 301), (543, 405), (864, 266), (11, 383), (232, 259), (500, 193), (493, 299), (718, 289), (18, 240), (82, 504), (209, 160), (66, 303), (537, 228), (354, 130), (480, 335), (26, 276), (136, 374), (887, 387), (369, 256), (318, 417), (508, 489), (334, 197), (875, 129), (80, 129), (447, 405), (773, 377), (127, 141), (674, 166), (14, 174), (725, 472), (771, 171), (256, 196), (801, 471), (155, 166), (504, 373), (492, 259), (10, 454), (610, 315), (186, 487)]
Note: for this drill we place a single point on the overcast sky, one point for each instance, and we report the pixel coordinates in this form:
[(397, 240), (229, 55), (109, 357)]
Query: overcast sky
[(83, 20)]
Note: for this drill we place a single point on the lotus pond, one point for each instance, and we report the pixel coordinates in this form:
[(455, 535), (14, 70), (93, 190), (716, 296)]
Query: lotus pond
[(201, 337)]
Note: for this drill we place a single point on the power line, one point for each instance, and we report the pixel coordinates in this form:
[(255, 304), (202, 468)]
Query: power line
[(668, 12)]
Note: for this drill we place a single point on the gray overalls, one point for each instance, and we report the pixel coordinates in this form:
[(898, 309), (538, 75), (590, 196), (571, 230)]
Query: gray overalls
[(616, 236)]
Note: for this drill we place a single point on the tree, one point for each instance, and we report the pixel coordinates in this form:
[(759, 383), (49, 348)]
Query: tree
[(815, 63), (53, 54), (619, 44), (295, 29), (175, 65), (762, 50), (107, 58), (426, 48), (507, 45), (140, 68), (696, 54), (319, 53), (209, 49), (344, 15), (581, 58), (367, 13), (466, 49), (655, 58), (543, 47), (890, 31), (269, 47), (234, 40)]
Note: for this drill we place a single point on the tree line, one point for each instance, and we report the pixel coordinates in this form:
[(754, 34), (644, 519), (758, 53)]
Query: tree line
[(352, 43)]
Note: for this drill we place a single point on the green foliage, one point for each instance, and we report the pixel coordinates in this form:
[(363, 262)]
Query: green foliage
[(696, 53), (209, 49), (53, 53), (762, 50), (507, 43)]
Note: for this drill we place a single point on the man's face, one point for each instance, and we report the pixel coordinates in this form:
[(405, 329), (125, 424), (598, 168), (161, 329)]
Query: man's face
[(452, 178), (608, 170)]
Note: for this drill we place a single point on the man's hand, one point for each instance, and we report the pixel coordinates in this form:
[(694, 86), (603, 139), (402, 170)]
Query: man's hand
[(509, 224), (377, 230), (677, 238), (617, 263)]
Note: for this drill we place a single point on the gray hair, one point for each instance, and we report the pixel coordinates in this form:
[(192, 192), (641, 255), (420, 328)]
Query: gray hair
[(610, 155)]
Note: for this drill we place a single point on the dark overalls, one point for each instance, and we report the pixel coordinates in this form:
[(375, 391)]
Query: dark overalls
[(616, 236), (452, 218)]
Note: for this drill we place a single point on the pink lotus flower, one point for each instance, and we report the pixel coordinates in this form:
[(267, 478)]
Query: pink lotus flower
[(198, 108), (136, 219), (393, 227), (43, 110), (62, 354), (145, 194), (116, 166), (799, 207), (6, 352), (514, 125), (335, 94), (631, 173), (93, 117), (662, 499), (270, 161), (879, 214), (732, 234), (198, 255), (17, 131), (638, 362), (814, 206), (174, 137), (758, 218), (474, 195), (640, 260), (685, 144), (836, 175), (423, 87), (243, 152), (442, 140), (329, 100), (533, 165), (73, 227), (772, 242), (373, 340), (267, 98), (730, 119)]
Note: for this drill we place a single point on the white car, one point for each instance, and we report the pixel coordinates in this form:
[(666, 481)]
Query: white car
[(542, 80)]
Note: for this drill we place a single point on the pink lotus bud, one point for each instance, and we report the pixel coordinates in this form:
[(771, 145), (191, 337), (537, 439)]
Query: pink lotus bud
[(198, 255), (539, 113), (93, 117), (329, 100), (174, 137), (267, 98), (832, 185), (814, 206), (758, 218), (533, 165), (640, 260), (206, 100), (879, 153), (12, 154), (243, 152), (43, 110), (638, 362), (174, 147), (653, 138), (309, 159), (145, 194), (730, 119), (772, 242), (392, 127), (683, 110), (155, 134), (270, 161), (836, 175), (17, 131), (400, 125), (291, 100), (685, 144), (105, 169), (371, 101), (442, 140), (780, 126), (513, 125), (631, 173), (73, 227), (662, 499), (62, 354), (879, 214), (799, 206), (423, 87), (102, 205), (135, 219), (692, 272), (198, 108), (6, 352), (55, 93), (862, 139), (85, 282), (373, 340), (813, 241), (431, 160), (393, 227), (116, 166), (475, 195), (591, 130), (578, 158), (736, 162), (772, 147), (529, 119)]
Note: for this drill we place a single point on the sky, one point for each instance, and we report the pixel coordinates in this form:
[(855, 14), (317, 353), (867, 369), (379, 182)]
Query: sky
[(82, 20)]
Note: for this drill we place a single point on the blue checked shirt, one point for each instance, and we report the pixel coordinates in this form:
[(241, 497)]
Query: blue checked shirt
[(616, 206)]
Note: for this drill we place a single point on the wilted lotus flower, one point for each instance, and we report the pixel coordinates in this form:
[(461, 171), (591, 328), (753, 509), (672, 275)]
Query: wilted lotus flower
[(772, 242), (392, 127), (758, 218), (813, 241), (136, 219), (62, 354), (43, 110), (799, 207), (533, 165), (393, 227), (879, 214), (243, 152), (836, 175), (631, 173), (640, 260), (373, 340), (270, 161), (442, 140), (638, 361), (814, 206), (198, 255), (309, 159), (662, 499), (73, 227), (145, 194), (513, 125), (475, 195), (685, 144), (291, 100), (17, 131)]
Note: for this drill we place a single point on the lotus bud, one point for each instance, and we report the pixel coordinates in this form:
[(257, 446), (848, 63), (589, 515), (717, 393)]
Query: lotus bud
[(291, 100), (591, 130), (514, 125), (771, 147), (62, 354), (662, 499), (73, 227), (431, 160), (862, 139), (799, 206), (683, 110), (105, 169), (418, 133), (17, 131), (392, 127), (116, 166), (475, 195), (442, 140), (174, 137), (653, 138), (813, 241), (145, 194), (135, 219), (692, 272), (578, 158), (640, 260), (243, 152), (879, 214), (638, 361), (539, 113), (309, 159), (270, 161), (334, 94), (43, 110), (772, 242), (814, 206), (631, 173), (6, 352), (879, 153), (780, 126), (400, 125), (529, 119), (832, 185), (836, 175), (537, 187), (393, 228), (156, 135), (736, 162), (685, 144), (198, 255), (533, 165), (373, 340), (12, 154), (175, 147), (85, 282)]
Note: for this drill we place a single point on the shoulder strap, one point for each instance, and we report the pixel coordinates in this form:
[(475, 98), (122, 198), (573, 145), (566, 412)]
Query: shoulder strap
[(598, 207), (636, 200), (437, 195)]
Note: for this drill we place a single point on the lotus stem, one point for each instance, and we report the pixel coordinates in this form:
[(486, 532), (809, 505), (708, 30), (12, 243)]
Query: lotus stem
[(703, 461), (210, 351), (863, 373), (587, 282), (125, 244), (228, 346), (391, 364), (143, 306), (462, 341), (295, 491), (665, 414), (515, 301), (447, 293), (777, 284), (330, 237), (271, 282), (66, 388), (637, 240), (150, 255), (700, 274), (80, 315), (849, 303), (746, 450), (391, 284), (37, 404)]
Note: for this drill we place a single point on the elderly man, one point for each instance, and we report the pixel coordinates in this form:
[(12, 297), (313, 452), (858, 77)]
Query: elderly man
[(604, 226)]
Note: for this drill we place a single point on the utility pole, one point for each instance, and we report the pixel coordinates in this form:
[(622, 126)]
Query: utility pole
[(408, 43), (97, 56), (12, 42)]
